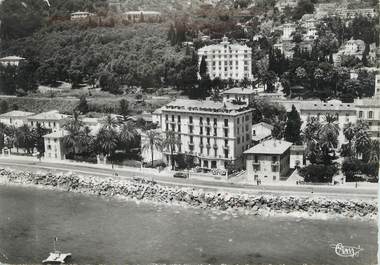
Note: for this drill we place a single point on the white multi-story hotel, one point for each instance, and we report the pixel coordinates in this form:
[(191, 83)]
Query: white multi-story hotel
[(227, 60), (215, 133)]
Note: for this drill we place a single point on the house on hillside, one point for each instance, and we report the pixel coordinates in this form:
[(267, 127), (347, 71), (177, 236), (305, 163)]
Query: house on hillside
[(52, 120), (11, 60), (80, 15), (15, 118)]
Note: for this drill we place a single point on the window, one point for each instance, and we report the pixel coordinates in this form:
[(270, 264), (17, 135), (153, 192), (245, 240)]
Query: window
[(200, 130), (166, 117), (172, 117), (274, 178), (370, 114), (201, 120), (225, 153), (255, 177), (179, 127), (253, 132), (215, 121), (208, 131), (256, 158), (215, 132), (360, 114), (191, 139), (179, 118), (208, 120), (238, 140), (216, 152), (173, 128), (226, 122), (225, 132), (190, 129), (167, 127), (238, 120)]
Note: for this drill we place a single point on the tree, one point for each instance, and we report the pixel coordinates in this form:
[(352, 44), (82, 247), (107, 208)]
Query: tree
[(127, 134), (107, 138), (72, 141), (303, 7), (172, 142), (203, 67), (83, 105), (310, 135), (39, 133), (124, 108), (154, 142), (3, 106), (26, 138), (293, 127)]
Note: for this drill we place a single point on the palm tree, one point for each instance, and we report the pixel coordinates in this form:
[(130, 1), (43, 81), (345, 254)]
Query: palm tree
[(127, 133), (71, 141), (26, 138), (110, 123), (154, 142), (374, 151), (171, 142), (329, 131), (349, 133), (107, 140), (311, 138), (86, 140), (11, 136)]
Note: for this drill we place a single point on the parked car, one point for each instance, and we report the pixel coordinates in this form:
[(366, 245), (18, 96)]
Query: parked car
[(182, 175)]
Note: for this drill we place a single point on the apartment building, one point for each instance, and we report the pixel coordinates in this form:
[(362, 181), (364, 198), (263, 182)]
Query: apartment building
[(268, 161), (54, 148), (15, 118), (227, 60), (368, 109), (344, 112), (52, 120), (215, 133)]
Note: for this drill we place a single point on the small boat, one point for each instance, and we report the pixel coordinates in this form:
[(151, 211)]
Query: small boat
[(56, 257)]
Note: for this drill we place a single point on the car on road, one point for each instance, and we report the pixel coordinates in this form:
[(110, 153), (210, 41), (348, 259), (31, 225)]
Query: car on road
[(183, 175)]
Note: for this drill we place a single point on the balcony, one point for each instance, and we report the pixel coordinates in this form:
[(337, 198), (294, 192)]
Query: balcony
[(208, 125)]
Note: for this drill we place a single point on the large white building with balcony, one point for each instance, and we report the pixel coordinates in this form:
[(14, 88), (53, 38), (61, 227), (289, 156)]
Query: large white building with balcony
[(227, 60), (215, 133)]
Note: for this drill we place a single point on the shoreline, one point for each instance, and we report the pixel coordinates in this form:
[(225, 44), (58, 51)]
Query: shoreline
[(141, 190)]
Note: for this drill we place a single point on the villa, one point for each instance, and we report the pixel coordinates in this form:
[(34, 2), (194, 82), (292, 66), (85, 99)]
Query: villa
[(15, 118), (268, 161)]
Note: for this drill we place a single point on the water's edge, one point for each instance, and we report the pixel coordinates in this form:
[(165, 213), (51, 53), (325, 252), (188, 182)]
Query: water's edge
[(142, 190)]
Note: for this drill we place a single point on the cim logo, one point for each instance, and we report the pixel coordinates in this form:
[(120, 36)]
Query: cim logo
[(346, 251)]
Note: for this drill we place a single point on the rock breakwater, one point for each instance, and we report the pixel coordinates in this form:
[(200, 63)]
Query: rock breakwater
[(143, 189)]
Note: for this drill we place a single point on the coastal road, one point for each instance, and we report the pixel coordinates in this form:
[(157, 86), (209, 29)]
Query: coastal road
[(314, 191)]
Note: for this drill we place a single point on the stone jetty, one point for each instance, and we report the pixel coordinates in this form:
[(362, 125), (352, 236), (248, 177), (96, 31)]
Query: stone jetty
[(148, 190)]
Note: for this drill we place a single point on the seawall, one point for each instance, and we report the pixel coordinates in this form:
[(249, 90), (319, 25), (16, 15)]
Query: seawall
[(146, 190)]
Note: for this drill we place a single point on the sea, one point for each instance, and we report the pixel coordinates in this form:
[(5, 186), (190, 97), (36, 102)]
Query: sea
[(98, 230)]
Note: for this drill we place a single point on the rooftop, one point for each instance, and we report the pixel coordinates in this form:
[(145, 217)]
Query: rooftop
[(333, 105), (50, 115), (264, 124), (12, 58), (57, 134), (204, 106), (270, 147), (239, 90), (16, 113)]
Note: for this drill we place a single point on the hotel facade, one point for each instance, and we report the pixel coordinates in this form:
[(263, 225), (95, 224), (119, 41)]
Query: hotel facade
[(227, 60), (215, 133)]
